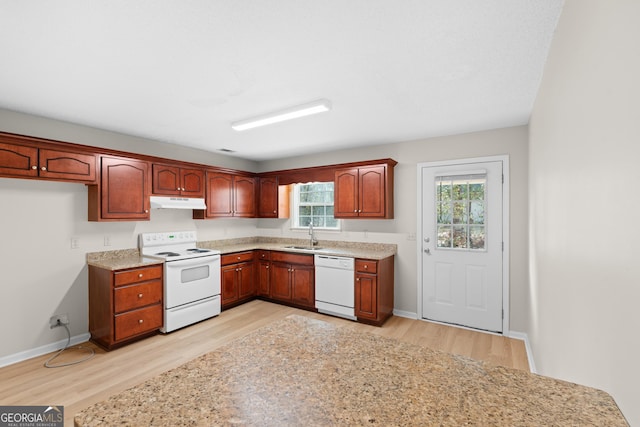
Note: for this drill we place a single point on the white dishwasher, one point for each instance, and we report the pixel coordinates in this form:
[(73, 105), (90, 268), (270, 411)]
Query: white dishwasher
[(335, 289)]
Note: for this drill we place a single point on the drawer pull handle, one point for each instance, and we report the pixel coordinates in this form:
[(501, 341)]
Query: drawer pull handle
[(34, 167), (139, 295), (141, 321), (43, 168), (140, 275)]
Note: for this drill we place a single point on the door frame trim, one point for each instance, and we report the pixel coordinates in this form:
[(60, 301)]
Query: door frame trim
[(505, 229)]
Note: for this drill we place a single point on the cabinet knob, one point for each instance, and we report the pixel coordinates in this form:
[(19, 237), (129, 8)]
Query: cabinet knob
[(355, 211), (366, 266), (178, 189), (267, 267), (359, 210), (140, 275), (34, 167), (146, 211), (240, 269), (141, 321), (43, 168), (357, 279), (139, 295), (275, 212)]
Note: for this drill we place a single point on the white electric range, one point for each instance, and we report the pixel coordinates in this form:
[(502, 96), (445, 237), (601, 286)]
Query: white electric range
[(191, 277)]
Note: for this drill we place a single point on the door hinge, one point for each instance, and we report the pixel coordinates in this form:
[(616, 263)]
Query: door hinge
[(502, 246), (503, 178), (503, 313)]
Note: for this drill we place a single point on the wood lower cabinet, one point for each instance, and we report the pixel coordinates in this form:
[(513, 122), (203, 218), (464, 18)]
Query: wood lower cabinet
[(169, 180), (24, 161), (124, 305), (237, 275), (292, 279), (374, 287), (263, 263), (123, 193)]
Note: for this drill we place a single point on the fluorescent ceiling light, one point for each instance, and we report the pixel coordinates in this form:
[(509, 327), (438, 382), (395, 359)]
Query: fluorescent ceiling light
[(315, 107)]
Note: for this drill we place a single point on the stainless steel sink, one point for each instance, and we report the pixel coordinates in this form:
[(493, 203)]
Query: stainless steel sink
[(304, 248)]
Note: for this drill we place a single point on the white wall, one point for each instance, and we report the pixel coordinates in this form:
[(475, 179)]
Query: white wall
[(584, 152), (41, 274), (511, 141)]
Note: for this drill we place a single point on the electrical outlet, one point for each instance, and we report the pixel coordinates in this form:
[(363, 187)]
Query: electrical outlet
[(75, 243), (58, 320), (107, 240), (411, 236)]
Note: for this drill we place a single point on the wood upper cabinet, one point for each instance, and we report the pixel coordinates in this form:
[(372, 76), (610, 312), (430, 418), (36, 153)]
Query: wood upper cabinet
[(364, 192), (268, 197), (24, 161), (229, 195), (124, 191), (169, 180)]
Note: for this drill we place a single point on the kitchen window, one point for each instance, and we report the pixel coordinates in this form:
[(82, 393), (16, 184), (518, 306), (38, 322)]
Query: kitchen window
[(313, 203)]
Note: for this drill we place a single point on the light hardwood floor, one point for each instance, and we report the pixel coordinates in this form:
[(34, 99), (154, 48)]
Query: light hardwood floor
[(76, 387)]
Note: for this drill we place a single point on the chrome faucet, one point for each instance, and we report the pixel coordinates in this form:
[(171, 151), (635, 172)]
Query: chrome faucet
[(312, 241)]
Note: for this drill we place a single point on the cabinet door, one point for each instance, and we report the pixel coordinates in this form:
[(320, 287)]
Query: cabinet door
[(125, 189), (18, 160), (303, 285), (166, 180), (245, 196), (366, 296), (268, 198), (246, 278), (219, 194), (229, 284), (346, 193), (67, 166), (371, 197), (192, 182), (264, 278), (280, 284)]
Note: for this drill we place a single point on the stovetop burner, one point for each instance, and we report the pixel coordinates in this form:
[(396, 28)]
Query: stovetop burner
[(168, 253), (198, 250)]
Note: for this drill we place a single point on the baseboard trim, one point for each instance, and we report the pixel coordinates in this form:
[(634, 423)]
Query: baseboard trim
[(407, 314), (39, 351), (524, 337)]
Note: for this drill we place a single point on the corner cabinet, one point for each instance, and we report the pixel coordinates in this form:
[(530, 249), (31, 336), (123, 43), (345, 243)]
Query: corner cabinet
[(124, 305), (374, 290), (364, 191), (228, 195), (123, 193), (169, 180)]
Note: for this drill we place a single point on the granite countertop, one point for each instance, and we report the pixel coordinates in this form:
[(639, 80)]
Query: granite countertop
[(328, 247), (131, 258), (301, 371), (120, 259)]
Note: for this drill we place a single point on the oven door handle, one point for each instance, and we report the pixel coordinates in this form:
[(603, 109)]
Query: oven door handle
[(192, 262)]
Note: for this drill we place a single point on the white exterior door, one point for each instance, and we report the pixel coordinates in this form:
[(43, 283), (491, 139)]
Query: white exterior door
[(462, 244)]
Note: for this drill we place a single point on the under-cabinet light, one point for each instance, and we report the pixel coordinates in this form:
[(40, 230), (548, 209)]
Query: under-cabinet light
[(315, 107)]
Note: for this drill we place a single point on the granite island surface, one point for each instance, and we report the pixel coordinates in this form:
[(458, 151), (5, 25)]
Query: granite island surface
[(301, 371)]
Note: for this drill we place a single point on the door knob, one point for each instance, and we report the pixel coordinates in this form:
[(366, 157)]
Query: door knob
[(427, 251)]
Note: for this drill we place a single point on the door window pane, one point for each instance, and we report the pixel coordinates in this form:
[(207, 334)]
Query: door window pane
[(461, 212)]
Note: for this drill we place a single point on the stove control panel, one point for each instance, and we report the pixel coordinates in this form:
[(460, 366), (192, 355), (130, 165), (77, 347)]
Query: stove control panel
[(168, 238)]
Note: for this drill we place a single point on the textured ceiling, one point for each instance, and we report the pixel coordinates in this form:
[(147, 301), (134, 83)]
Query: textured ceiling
[(182, 71)]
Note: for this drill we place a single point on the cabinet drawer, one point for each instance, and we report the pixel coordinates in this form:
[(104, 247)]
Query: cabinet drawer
[(366, 266), (292, 258), (263, 255), (138, 322), (138, 275), (236, 258), (136, 296)]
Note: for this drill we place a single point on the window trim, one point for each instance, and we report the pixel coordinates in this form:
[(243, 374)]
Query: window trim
[(295, 217)]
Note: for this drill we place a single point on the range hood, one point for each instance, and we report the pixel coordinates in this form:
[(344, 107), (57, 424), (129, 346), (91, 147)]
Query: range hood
[(177, 203)]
